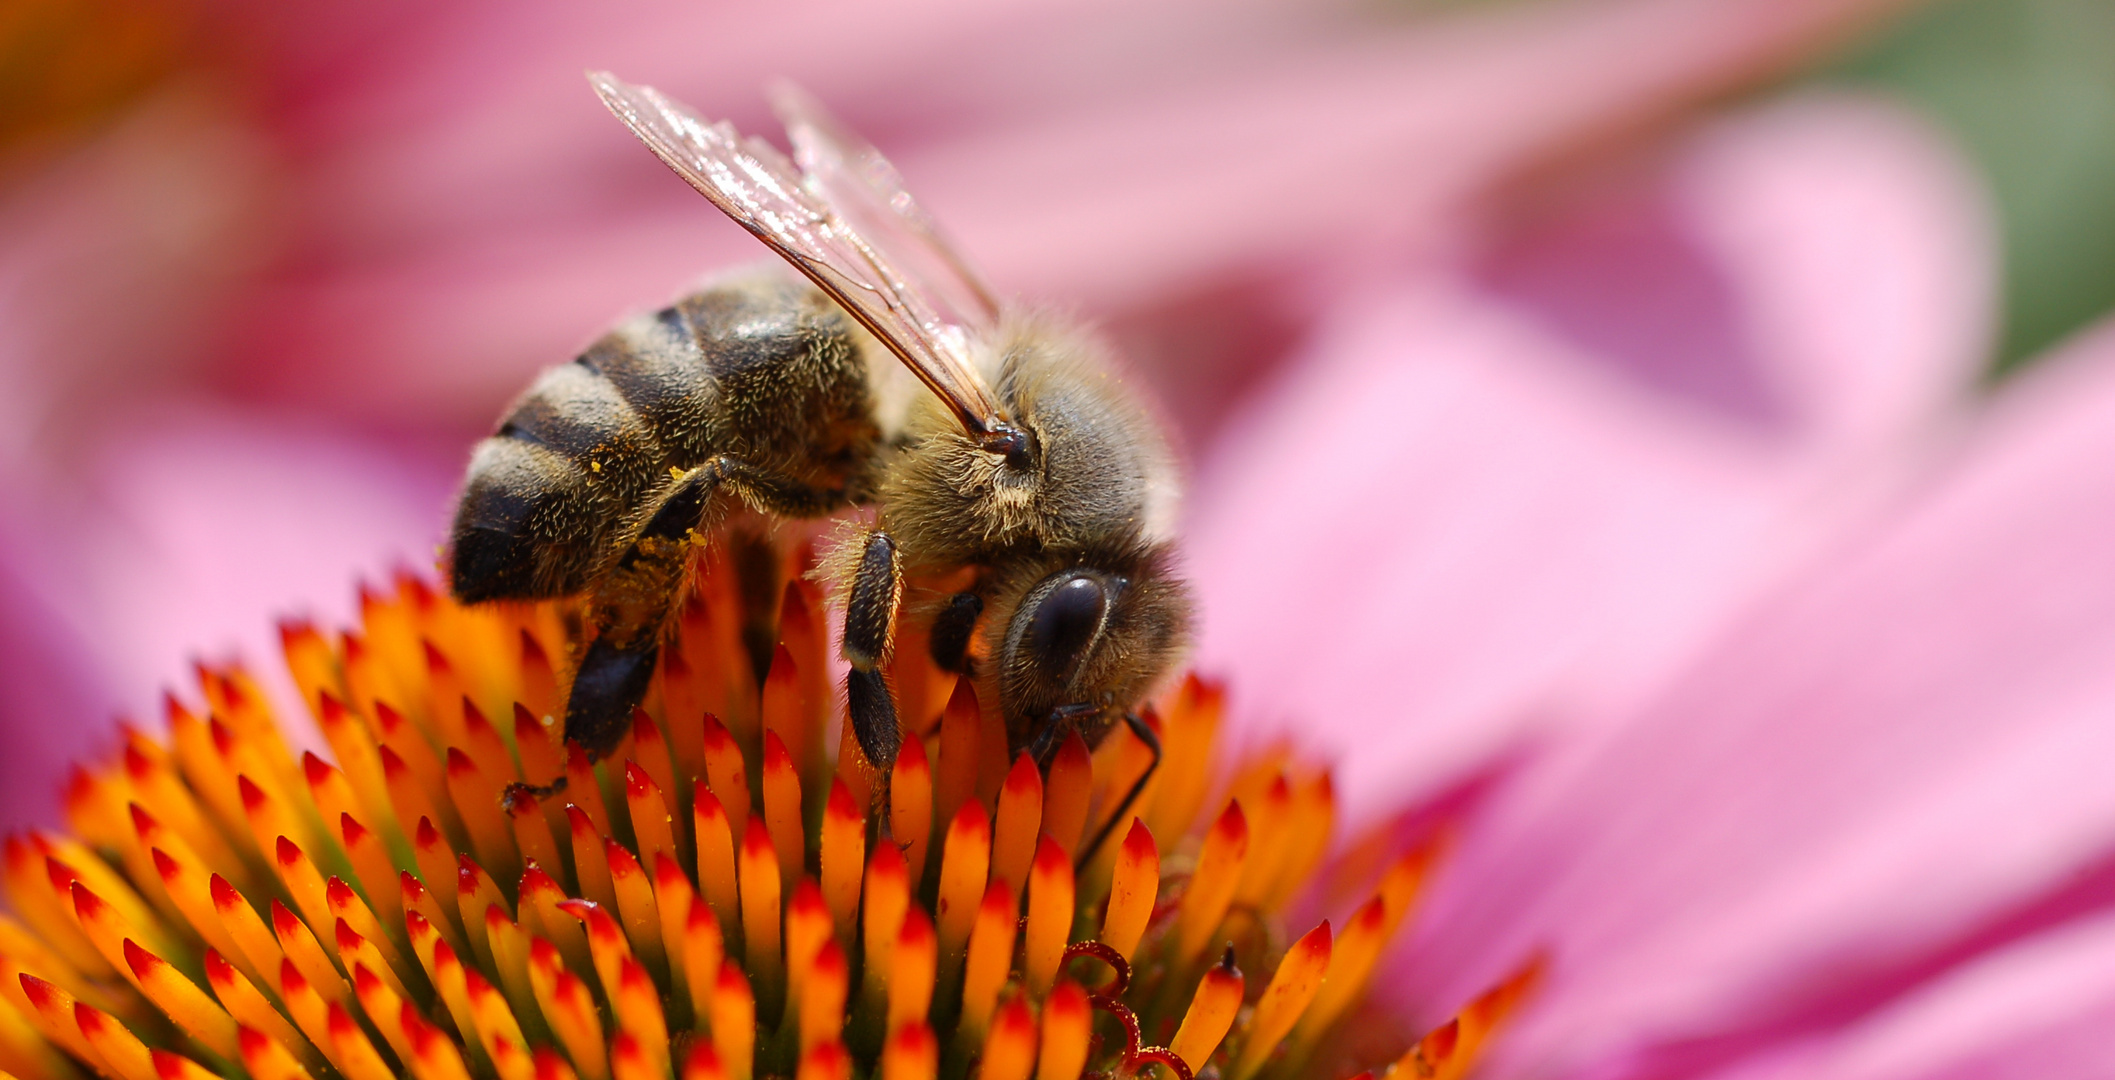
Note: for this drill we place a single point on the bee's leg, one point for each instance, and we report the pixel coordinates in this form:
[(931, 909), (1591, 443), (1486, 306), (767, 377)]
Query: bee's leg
[(628, 608), (1145, 735), (870, 632), (952, 628), (758, 587), (511, 797), (611, 680), (1055, 727), (630, 605), (1043, 745)]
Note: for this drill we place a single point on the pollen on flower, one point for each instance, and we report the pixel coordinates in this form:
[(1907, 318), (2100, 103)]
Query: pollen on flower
[(719, 898)]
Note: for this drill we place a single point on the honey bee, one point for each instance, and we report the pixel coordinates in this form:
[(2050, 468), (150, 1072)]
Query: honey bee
[(1029, 470)]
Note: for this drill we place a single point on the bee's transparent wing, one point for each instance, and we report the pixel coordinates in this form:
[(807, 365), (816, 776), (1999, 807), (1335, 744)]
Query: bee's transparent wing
[(864, 189), (763, 192)]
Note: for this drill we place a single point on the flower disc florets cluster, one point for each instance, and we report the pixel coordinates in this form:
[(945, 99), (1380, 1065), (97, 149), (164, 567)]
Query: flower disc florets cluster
[(727, 895)]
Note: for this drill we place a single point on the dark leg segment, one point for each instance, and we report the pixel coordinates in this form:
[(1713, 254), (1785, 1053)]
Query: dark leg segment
[(870, 631), (1054, 729), (631, 603), (1145, 735), (627, 610), (873, 715), (611, 680), (952, 628)]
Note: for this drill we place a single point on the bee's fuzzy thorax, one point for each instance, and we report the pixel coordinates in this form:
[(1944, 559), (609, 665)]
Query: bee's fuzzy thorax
[(1098, 466)]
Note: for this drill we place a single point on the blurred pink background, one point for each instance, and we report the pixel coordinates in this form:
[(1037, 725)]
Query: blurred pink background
[(267, 271), (1586, 403)]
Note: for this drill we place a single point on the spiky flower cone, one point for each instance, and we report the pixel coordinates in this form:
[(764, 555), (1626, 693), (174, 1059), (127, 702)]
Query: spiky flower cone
[(716, 899)]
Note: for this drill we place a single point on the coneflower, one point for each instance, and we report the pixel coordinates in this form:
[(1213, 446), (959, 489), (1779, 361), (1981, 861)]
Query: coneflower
[(723, 897)]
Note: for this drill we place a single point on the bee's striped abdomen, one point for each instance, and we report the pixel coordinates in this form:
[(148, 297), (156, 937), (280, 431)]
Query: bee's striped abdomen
[(758, 367), (543, 494)]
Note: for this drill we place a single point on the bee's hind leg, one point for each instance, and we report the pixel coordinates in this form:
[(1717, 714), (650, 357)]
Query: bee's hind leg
[(630, 606), (612, 679)]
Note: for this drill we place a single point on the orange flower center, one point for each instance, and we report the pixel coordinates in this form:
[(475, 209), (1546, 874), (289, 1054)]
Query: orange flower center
[(721, 897)]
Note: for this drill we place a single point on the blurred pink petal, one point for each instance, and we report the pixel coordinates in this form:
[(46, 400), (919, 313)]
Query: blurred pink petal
[(117, 262), (1499, 512), (1351, 147), (1894, 765), (1842, 252), (191, 533), (2039, 1009), (470, 215), (214, 524), (53, 712)]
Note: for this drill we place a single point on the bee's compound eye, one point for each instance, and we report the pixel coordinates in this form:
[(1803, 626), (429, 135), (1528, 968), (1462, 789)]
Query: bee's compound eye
[(1066, 622)]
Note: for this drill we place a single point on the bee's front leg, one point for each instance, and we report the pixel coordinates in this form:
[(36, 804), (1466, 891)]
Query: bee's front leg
[(1054, 728), (870, 635), (1144, 733)]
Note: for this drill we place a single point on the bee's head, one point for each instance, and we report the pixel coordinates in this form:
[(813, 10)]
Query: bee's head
[(1089, 636)]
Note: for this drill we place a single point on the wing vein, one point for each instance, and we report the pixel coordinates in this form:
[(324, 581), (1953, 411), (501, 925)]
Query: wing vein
[(823, 221)]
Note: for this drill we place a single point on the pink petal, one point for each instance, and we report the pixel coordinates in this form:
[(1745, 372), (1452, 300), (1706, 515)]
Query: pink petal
[(56, 704), (1787, 204), (2040, 1009), (117, 261), (192, 531), (1505, 524), (1349, 147), (1897, 762), (467, 214), (214, 525)]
